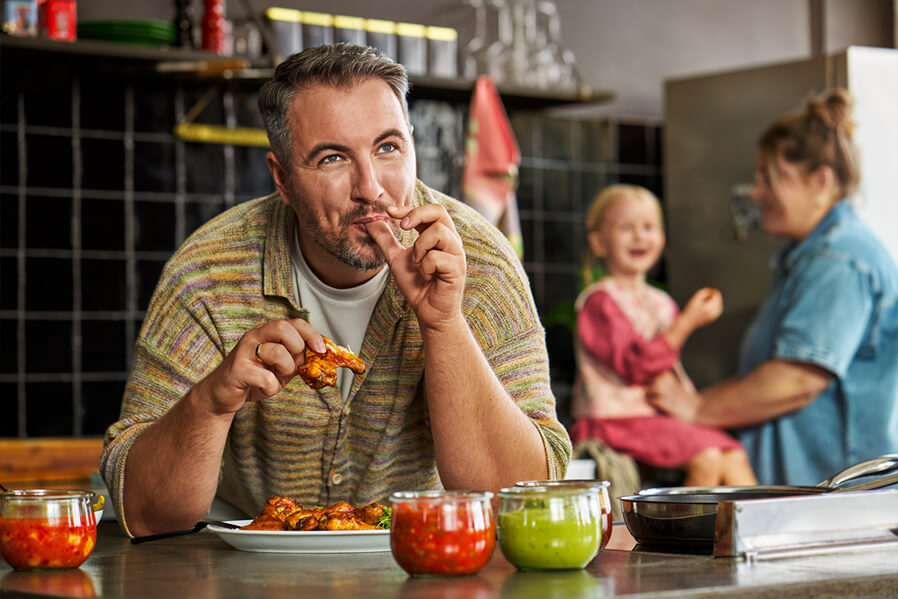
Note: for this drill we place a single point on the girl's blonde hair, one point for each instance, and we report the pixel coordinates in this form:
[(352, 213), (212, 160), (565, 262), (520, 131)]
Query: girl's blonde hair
[(593, 267), (595, 216)]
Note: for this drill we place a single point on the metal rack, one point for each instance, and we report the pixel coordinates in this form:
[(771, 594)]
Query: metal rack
[(792, 526)]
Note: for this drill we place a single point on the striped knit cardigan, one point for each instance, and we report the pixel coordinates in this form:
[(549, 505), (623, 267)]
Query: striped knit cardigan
[(234, 273)]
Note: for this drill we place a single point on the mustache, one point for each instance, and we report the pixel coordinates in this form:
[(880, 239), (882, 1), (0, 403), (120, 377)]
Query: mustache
[(377, 208)]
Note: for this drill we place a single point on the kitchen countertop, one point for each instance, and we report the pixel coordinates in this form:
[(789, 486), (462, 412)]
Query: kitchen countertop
[(202, 565)]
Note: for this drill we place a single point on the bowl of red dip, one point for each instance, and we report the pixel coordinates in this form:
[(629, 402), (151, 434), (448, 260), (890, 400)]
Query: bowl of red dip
[(48, 529), (442, 533)]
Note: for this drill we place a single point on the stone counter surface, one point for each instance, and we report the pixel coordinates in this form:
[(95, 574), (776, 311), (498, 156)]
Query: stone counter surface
[(203, 566)]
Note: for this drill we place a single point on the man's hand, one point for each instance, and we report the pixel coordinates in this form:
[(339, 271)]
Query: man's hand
[(184, 447), (261, 364), (498, 444), (668, 395), (430, 273)]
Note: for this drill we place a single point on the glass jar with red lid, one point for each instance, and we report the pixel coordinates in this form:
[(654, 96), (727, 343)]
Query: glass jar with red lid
[(442, 533), (45, 529)]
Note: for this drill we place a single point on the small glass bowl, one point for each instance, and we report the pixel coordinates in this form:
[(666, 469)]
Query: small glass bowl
[(549, 527), (442, 533), (46, 529), (606, 521)]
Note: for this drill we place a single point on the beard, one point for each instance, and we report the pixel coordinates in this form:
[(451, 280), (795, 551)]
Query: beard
[(365, 255)]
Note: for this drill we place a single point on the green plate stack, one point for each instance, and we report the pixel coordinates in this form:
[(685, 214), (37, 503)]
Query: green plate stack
[(151, 32)]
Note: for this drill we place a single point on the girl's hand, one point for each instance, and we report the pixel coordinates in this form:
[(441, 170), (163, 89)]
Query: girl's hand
[(704, 307)]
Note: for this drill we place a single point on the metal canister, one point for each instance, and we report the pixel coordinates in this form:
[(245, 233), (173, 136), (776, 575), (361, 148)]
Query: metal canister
[(412, 42), (20, 17), (442, 52), (381, 34), (350, 30), (59, 20), (317, 28), (286, 29)]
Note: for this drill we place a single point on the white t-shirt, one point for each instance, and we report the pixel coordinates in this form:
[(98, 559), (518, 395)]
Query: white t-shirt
[(342, 315)]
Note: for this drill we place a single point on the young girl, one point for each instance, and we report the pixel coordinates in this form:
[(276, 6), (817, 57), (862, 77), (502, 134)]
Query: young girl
[(629, 333)]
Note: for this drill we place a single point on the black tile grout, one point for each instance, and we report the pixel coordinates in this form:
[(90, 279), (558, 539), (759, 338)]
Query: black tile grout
[(180, 168), (130, 233), (100, 194), (21, 403), (64, 377), (40, 315), (229, 158), (148, 255), (77, 170)]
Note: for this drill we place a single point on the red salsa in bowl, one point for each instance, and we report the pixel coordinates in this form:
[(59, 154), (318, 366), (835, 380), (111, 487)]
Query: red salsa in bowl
[(439, 533), (46, 529)]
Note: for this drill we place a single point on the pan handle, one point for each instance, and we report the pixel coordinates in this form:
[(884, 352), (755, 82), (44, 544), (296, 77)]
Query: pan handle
[(884, 463)]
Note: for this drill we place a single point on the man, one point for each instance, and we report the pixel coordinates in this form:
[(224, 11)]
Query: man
[(456, 391)]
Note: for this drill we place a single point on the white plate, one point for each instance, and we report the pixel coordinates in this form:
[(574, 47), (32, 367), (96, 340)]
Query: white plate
[(303, 541)]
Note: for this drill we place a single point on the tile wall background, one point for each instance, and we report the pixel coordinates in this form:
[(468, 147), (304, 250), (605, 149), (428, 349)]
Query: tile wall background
[(96, 192)]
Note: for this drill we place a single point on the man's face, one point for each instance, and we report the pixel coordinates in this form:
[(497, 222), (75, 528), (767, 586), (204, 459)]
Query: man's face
[(352, 156)]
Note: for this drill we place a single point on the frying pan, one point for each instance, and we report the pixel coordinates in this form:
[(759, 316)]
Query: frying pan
[(678, 516)]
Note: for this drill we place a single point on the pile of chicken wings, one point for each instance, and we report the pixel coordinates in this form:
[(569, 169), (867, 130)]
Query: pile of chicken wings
[(282, 513)]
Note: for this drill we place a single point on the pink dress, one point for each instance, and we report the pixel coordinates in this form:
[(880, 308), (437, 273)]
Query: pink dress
[(620, 348)]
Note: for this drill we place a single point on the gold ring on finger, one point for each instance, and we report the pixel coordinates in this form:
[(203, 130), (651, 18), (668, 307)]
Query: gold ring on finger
[(258, 347)]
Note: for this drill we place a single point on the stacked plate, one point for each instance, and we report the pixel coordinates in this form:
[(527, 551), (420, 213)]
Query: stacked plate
[(144, 32)]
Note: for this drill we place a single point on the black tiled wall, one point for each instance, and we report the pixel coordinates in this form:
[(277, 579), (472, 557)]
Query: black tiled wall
[(96, 192)]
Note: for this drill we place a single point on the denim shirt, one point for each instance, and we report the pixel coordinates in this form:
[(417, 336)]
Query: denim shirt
[(833, 304)]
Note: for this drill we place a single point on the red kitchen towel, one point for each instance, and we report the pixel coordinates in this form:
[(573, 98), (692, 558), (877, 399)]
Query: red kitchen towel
[(492, 158)]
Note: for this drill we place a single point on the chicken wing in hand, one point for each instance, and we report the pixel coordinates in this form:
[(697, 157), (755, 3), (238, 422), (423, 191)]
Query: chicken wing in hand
[(320, 370)]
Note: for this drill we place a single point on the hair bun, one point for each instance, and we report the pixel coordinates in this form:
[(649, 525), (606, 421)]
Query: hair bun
[(833, 108), (818, 134)]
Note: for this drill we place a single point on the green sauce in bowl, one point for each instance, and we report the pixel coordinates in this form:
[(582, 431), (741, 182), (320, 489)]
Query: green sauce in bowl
[(548, 538)]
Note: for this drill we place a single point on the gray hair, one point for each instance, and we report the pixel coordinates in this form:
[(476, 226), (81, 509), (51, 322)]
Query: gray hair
[(336, 65)]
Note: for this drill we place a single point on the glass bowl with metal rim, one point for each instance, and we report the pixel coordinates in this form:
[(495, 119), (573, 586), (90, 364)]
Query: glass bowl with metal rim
[(442, 533), (48, 529), (606, 521), (549, 527)]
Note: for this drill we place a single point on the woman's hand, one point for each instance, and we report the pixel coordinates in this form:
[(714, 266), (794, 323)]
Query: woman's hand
[(666, 393)]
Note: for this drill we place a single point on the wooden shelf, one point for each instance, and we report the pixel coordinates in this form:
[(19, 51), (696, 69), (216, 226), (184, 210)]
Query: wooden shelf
[(460, 90), (91, 48), (145, 58)]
